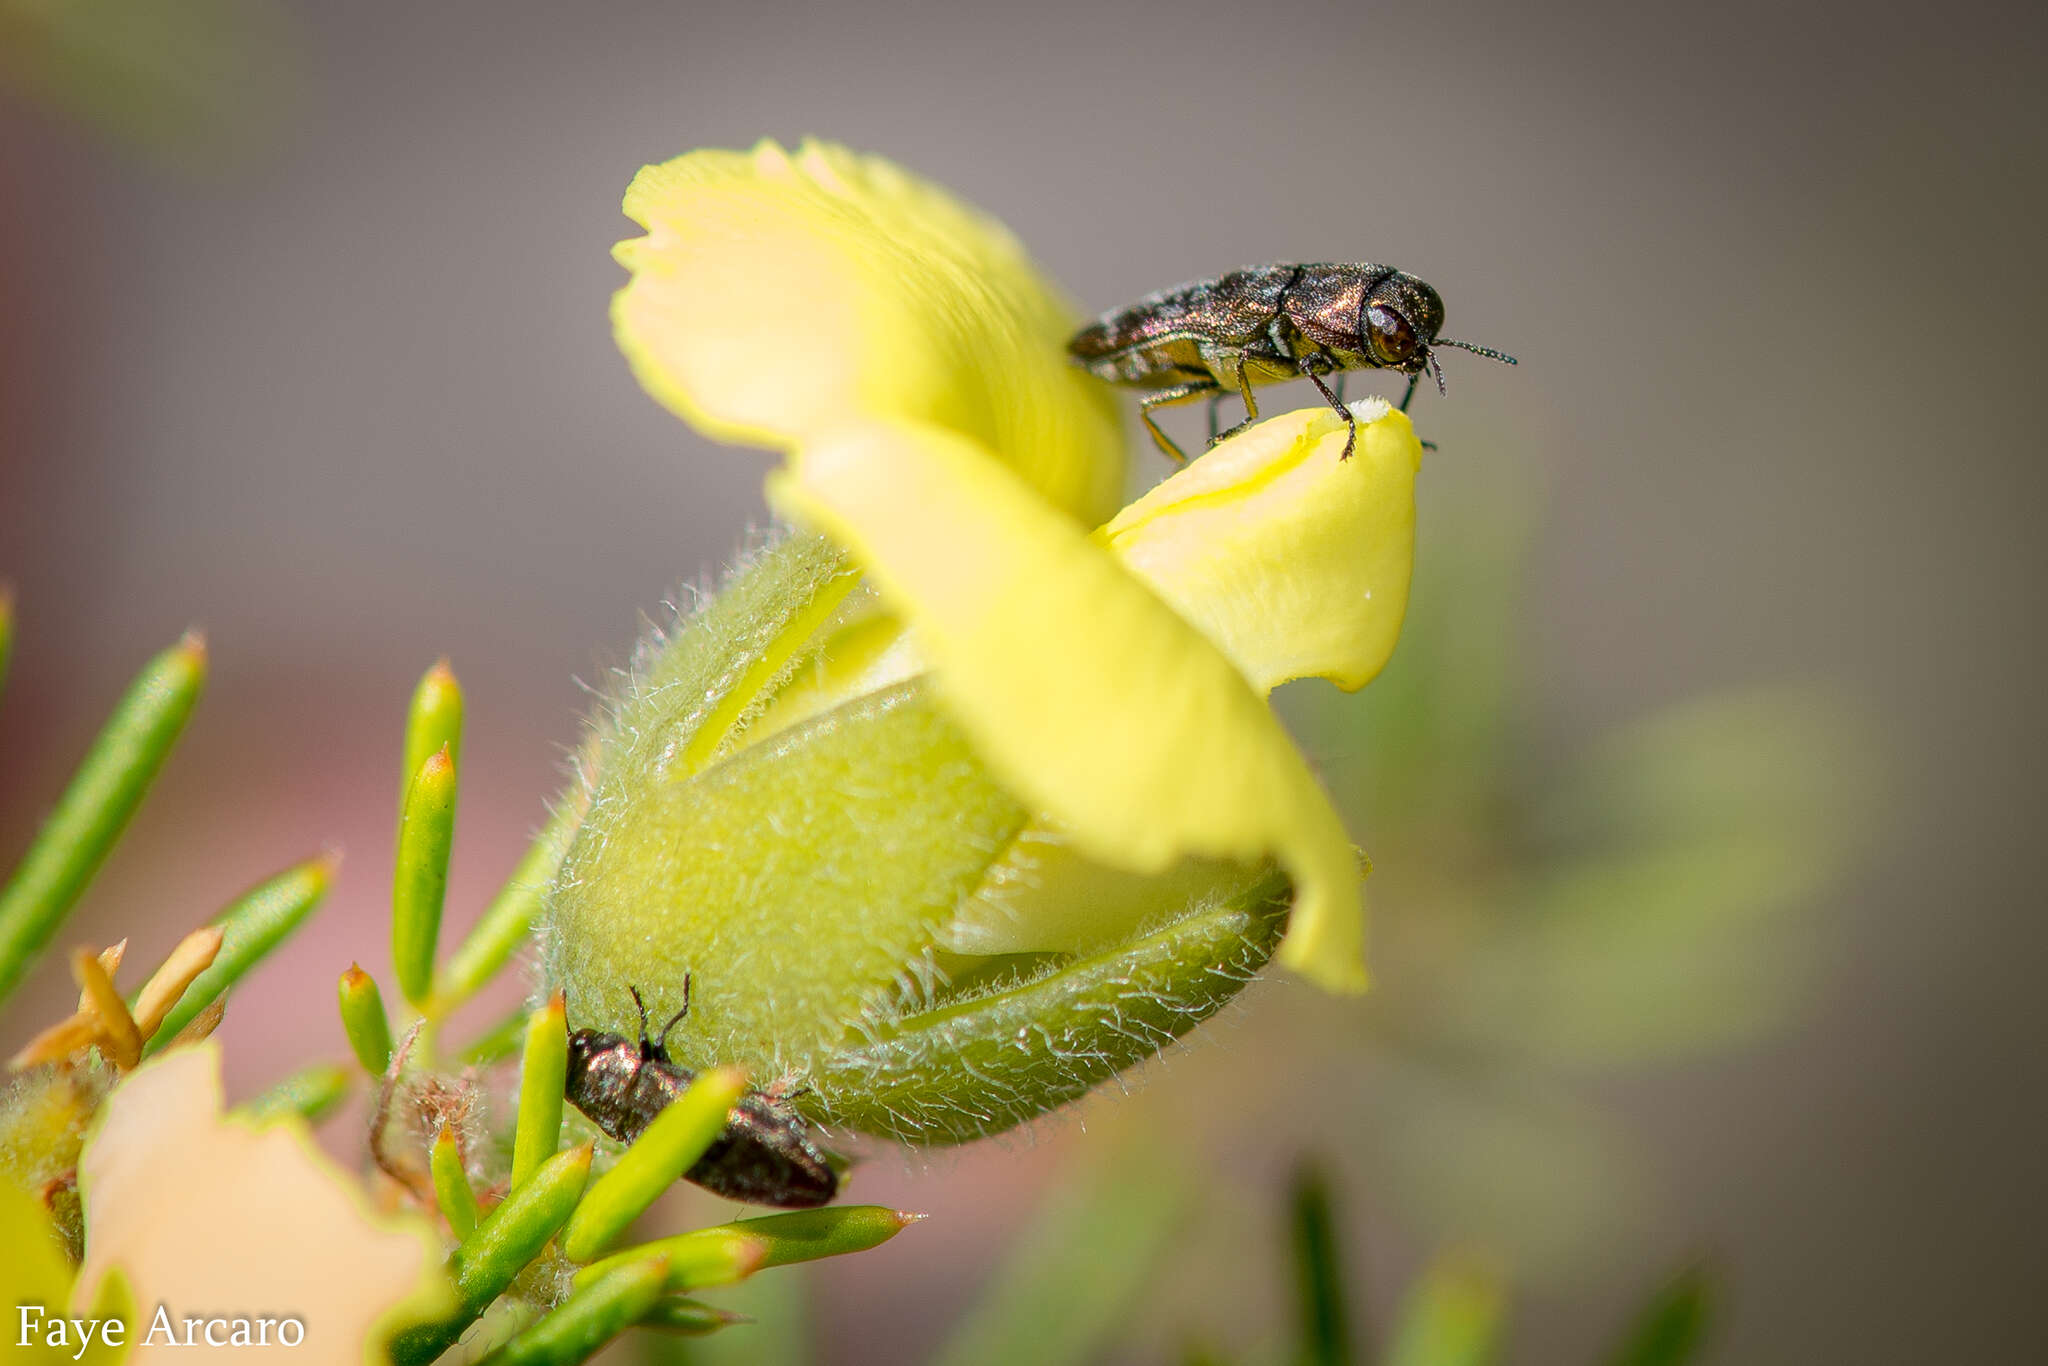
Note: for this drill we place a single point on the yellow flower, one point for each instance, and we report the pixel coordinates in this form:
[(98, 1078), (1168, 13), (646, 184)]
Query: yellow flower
[(910, 360), (206, 1217), (777, 297)]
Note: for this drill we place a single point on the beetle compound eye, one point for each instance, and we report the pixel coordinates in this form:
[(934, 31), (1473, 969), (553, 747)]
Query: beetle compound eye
[(1393, 340)]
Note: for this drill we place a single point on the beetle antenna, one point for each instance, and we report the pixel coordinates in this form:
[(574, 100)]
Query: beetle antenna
[(1486, 351), (661, 1044), (643, 1016)]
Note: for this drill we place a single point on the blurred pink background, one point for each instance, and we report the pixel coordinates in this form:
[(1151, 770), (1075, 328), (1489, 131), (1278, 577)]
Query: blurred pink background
[(346, 398)]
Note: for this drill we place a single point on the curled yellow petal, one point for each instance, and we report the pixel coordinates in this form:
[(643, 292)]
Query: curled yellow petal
[(1294, 563), (1086, 694), (777, 295)]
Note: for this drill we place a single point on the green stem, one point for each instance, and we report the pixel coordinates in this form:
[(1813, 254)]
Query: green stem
[(1319, 1275)]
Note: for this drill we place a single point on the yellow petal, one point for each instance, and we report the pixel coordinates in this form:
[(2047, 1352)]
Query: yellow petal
[(776, 296), (1294, 563), (1087, 695), (209, 1216)]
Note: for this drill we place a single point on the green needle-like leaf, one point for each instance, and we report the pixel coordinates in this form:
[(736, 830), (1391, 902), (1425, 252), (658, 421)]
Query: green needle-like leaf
[(730, 1251), (1453, 1317), (1079, 1270), (91, 814), (588, 1319), (507, 923), (782, 1327), (694, 1262), (543, 1068), (308, 1093), (1672, 1326), (452, 1190), (509, 1237), (434, 720), (501, 1041), (689, 1318), (364, 1021), (1319, 1274), (419, 882), (251, 928), (671, 1145)]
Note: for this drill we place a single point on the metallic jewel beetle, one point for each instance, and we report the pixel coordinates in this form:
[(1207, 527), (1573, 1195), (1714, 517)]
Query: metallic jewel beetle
[(1263, 325), (764, 1156)]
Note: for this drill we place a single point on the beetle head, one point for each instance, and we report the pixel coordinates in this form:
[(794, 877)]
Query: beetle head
[(1397, 321)]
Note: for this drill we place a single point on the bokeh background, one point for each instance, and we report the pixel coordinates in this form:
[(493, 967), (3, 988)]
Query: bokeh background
[(1703, 793)]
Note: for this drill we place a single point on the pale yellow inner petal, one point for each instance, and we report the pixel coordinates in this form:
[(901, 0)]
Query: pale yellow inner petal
[(1090, 697), (1296, 564)]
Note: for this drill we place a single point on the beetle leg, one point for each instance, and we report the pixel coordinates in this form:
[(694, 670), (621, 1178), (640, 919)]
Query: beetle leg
[(1251, 409), (784, 1091), (1315, 378), (1179, 393), (1413, 380)]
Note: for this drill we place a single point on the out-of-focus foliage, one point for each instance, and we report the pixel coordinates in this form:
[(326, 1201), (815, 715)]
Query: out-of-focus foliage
[(1545, 916), (197, 84), (1548, 913), (117, 1168)]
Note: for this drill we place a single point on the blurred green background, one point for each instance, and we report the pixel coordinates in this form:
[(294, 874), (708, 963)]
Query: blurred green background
[(1698, 791)]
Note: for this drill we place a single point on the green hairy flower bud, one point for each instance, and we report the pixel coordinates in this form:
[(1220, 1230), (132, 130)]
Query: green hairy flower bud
[(866, 918)]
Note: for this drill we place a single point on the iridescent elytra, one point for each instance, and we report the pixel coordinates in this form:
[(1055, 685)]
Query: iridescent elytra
[(1263, 325), (764, 1156)]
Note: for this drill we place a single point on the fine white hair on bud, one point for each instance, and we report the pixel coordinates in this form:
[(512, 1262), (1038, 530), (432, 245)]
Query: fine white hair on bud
[(809, 876)]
